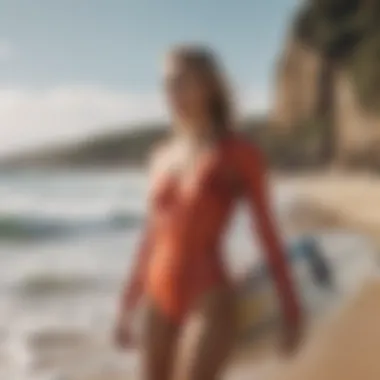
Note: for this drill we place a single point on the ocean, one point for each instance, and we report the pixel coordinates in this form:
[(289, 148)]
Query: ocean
[(67, 241)]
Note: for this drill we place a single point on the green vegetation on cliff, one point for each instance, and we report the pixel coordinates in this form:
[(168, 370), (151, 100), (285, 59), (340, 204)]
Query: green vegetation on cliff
[(347, 34)]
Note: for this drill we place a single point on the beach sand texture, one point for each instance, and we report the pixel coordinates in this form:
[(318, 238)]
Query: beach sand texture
[(344, 345)]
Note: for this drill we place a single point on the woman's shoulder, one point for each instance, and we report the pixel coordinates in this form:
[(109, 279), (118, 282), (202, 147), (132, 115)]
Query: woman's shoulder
[(160, 155), (246, 158), (160, 150)]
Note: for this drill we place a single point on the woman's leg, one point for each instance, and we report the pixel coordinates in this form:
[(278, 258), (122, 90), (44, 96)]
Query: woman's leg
[(209, 337), (158, 344)]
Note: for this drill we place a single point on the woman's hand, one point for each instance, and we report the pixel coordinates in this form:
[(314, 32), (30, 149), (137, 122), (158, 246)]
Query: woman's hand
[(123, 331), (291, 337)]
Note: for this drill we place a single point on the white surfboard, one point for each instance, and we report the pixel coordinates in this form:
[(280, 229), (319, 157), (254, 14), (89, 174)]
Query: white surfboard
[(326, 270)]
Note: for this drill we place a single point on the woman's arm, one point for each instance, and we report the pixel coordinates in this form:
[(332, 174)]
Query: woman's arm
[(254, 177), (132, 293), (134, 287)]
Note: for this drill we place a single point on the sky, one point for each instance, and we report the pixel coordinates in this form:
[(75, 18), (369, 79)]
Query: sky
[(71, 68)]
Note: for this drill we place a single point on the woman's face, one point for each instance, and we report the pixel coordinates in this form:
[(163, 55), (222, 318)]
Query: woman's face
[(186, 92)]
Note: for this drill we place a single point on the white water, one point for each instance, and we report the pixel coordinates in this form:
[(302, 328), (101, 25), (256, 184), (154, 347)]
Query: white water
[(66, 244)]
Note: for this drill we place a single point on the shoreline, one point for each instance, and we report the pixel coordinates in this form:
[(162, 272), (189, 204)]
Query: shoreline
[(344, 201)]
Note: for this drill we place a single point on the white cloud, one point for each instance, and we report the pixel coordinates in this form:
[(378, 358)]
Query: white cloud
[(31, 118), (253, 102), (6, 51)]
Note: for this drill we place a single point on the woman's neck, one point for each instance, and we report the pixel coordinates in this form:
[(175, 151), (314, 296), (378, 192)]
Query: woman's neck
[(197, 133)]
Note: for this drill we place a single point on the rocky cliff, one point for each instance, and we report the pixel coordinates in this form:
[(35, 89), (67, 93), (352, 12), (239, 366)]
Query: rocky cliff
[(327, 80), (297, 88)]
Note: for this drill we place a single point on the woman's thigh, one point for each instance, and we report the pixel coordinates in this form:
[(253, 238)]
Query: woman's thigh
[(158, 344), (209, 337)]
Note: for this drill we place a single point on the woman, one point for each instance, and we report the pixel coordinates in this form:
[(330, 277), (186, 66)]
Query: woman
[(198, 177)]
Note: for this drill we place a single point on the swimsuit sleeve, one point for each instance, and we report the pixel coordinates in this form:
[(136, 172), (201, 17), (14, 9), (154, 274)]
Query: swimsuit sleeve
[(253, 175)]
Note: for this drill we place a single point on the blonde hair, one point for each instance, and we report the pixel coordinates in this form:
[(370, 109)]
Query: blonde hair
[(206, 64)]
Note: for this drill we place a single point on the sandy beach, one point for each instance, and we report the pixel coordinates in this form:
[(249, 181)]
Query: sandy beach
[(344, 201), (345, 344)]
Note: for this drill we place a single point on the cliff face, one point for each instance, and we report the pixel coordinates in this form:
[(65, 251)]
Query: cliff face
[(305, 95), (297, 84), (357, 129), (328, 79)]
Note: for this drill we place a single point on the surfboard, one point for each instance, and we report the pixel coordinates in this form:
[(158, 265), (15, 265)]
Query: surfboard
[(324, 275)]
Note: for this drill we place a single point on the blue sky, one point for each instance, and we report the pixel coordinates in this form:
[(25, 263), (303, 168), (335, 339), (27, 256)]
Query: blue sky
[(70, 68)]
